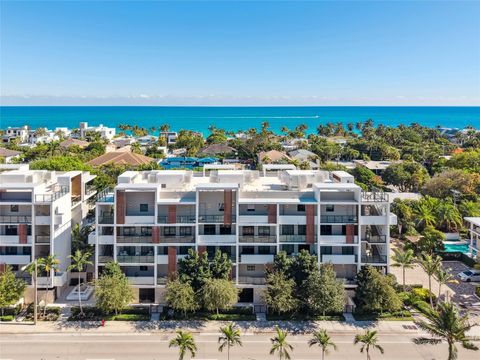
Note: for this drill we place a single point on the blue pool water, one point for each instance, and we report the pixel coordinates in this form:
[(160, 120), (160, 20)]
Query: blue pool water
[(463, 248)]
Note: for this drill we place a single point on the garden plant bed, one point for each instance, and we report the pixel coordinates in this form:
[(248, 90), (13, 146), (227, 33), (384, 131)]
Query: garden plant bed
[(301, 317), (234, 314), (94, 314), (403, 315), (52, 313)]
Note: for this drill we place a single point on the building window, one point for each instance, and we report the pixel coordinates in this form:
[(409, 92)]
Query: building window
[(248, 230), (143, 207), (330, 208), (163, 186), (13, 208), (248, 250), (221, 207), (264, 250), (250, 207), (301, 208), (225, 229), (209, 229), (302, 230), (169, 231), (264, 230), (326, 229), (143, 268), (185, 231), (250, 267), (287, 229)]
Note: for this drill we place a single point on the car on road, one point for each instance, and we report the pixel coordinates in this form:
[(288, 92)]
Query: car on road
[(469, 275)]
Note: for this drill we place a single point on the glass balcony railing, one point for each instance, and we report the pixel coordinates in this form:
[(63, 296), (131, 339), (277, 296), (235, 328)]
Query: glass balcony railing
[(374, 259), (15, 219), (42, 239), (134, 239), (105, 219), (293, 238), (257, 238), (375, 238), (348, 219), (179, 219), (63, 190), (139, 259), (177, 238), (214, 218)]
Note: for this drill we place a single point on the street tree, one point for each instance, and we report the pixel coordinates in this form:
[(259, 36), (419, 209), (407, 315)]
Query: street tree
[(431, 264), (280, 293), (219, 294), (49, 265), (185, 343), (180, 296), (230, 336), (368, 340), (321, 339), (280, 345), (446, 324), (113, 291), (11, 288), (404, 259)]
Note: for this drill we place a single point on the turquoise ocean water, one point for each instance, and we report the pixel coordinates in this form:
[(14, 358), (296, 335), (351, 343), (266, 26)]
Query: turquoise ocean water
[(234, 118)]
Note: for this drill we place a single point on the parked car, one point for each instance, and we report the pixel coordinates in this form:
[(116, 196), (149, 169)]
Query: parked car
[(469, 275)]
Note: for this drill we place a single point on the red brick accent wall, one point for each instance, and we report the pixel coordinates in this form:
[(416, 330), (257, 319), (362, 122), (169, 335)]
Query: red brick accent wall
[(172, 214), (121, 207), (201, 249), (2, 268), (22, 233), (350, 233), (272, 213), (227, 210), (172, 260), (310, 224), (156, 234)]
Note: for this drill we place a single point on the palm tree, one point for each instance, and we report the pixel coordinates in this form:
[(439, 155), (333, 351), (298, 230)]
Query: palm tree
[(185, 343), (80, 260), (323, 340), (229, 338), (431, 264), (48, 264), (280, 345), (368, 340), (424, 215), (403, 259), (445, 323), (448, 216), (443, 277)]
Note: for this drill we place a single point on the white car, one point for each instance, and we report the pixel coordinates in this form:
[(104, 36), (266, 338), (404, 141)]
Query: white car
[(469, 275)]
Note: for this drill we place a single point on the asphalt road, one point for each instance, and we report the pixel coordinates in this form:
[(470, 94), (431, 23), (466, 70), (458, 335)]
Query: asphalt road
[(155, 347)]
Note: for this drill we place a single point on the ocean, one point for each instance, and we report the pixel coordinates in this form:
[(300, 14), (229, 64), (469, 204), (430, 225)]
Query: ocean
[(235, 118)]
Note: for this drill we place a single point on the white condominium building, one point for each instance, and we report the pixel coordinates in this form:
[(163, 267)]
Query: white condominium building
[(473, 226), (37, 211), (152, 218), (105, 132)]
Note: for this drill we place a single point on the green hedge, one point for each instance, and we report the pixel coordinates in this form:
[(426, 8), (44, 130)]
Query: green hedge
[(403, 315), (7, 318), (300, 317), (129, 317), (234, 314), (52, 313), (423, 294), (92, 313)]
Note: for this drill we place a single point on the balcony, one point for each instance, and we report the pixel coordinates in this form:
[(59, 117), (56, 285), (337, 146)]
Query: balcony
[(252, 280), (15, 219), (375, 239), (59, 279), (42, 239), (43, 220), (217, 239), (162, 280), (293, 238), (292, 219), (374, 220), (339, 259), (105, 219), (253, 219), (106, 239), (141, 280), (139, 219), (134, 239), (53, 196), (258, 239), (214, 218), (103, 259), (90, 190), (180, 219), (177, 239), (338, 219), (376, 196), (337, 239), (106, 195), (256, 258), (13, 240), (374, 259), (136, 259), (15, 259)]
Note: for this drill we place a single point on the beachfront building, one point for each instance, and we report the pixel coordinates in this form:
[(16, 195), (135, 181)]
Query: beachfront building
[(21, 133), (37, 211), (105, 132), (152, 218), (473, 226)]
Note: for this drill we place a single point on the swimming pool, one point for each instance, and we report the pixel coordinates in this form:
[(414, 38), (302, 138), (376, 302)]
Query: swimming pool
[(463, 248)]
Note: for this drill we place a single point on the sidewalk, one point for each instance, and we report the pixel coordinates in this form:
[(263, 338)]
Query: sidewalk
[(252, 327)]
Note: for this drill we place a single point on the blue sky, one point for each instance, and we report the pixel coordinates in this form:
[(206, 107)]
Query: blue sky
[(218, 53)]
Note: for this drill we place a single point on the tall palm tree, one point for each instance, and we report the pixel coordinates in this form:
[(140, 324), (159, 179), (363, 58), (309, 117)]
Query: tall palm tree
[(323, 340), (403, 259), (49, 265), (280, 345), (448, 216), (80, 260), (229, 338), (443, 277), (445, 323), (185, 343), (368, 340), (431, 264), (425, 215)]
